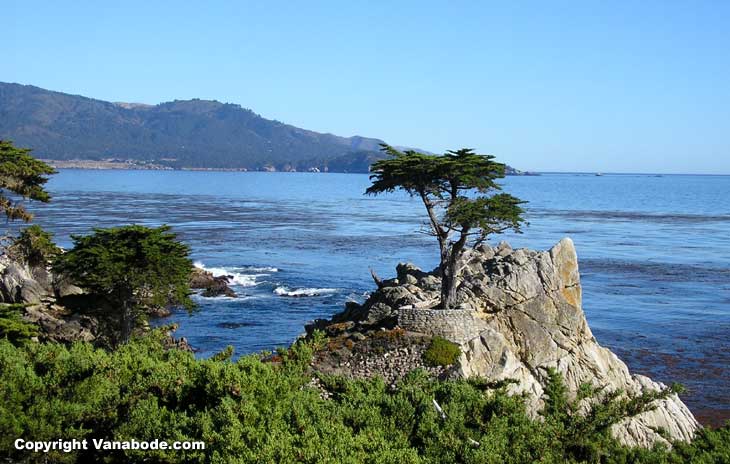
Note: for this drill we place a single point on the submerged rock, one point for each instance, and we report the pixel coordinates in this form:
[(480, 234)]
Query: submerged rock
[(520, 314)]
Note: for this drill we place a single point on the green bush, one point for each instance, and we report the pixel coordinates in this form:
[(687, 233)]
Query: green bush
[(250, 411), (12, 325), (441, 352)]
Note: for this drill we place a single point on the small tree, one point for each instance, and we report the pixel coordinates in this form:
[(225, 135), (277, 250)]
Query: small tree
[(22, 175), (458, 190), (34, 246), (131, 267)]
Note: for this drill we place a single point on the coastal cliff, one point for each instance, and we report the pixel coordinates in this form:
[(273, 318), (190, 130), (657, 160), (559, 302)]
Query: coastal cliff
[(520, 316)]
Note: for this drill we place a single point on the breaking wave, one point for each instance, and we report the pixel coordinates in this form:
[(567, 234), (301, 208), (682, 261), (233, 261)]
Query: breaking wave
[(245, 276), (303, 292)]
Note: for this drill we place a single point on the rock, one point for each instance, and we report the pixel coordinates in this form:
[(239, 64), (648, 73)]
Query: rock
[(18, 284), (219, 287), (200, 278), (503, 249), (522, 315), (211, 285), (64, 288), (535, 321), (406, 270), (61, 328)]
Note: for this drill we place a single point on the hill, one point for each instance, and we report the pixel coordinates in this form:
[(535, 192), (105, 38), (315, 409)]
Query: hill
[(179, 134)]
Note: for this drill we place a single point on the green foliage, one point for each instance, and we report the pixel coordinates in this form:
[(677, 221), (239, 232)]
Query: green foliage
[(22, 175), (12, 325), (441, 352), (250, 411), (34, 246), (460, 181), (458, 191), (132, 267), (586, 434)]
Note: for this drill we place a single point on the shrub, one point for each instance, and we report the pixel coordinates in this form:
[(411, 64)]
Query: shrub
[(12, 325), (441, 352), (251, 411)]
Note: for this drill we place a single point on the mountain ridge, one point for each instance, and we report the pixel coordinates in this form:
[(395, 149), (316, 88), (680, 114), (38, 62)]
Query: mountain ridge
[(179, 134)]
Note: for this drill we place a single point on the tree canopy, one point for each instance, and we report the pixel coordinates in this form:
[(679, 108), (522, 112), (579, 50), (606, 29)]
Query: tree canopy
[(22, 175), (460, 193), (133, 267)]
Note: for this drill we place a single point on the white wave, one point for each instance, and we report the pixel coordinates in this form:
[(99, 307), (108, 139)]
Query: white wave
[(301, 292), (237, 278), (264, 269)]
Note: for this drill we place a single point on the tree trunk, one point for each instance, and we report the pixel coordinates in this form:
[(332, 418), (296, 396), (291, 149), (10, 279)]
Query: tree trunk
[(450, 257), (127, 317), (448, 279)]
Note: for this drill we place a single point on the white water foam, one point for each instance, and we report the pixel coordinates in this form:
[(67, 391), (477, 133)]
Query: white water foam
[(302, 292), (240, 275)]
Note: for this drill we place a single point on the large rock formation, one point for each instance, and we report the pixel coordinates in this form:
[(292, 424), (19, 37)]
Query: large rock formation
[(520, 314)]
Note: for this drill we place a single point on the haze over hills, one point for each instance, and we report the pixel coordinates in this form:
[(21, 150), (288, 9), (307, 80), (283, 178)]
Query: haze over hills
[(178, 134)]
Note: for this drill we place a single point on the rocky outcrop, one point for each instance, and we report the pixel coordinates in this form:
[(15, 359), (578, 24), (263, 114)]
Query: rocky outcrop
[(211, 285), (18, 284), (520, 314), (65, 313)]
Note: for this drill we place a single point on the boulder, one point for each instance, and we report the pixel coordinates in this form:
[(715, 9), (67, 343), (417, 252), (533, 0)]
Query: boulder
[(211, 285), (18, 283), (59, 327)]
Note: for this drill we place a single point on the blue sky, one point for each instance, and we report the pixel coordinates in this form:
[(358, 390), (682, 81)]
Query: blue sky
[(560, 86)]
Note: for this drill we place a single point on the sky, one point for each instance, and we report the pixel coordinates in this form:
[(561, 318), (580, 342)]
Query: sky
[(547, 86)]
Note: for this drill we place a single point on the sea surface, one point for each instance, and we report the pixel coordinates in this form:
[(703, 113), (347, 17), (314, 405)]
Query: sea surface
[(654, 254)]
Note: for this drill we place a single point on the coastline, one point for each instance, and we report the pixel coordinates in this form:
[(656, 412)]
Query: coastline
[(131, 165)]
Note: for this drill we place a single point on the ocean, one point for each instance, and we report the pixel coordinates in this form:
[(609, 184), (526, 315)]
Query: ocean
[(654, 254)]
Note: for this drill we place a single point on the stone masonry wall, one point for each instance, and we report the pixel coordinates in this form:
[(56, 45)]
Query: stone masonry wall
[(456, 325)]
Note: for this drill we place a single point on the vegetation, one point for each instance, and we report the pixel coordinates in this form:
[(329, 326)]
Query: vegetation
[(131, 267), (250, 411), (441, 352), (34, 246), (12, 325), (24, 176), (458, 191)]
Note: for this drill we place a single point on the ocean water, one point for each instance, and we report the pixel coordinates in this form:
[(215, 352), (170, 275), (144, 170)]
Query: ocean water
[(654, 254)]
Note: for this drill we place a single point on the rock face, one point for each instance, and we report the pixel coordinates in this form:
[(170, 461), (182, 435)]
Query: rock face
[(38, 290), (18, 284), (519, 315)]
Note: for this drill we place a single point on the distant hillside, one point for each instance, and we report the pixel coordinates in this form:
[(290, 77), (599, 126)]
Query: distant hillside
[(179, 134)]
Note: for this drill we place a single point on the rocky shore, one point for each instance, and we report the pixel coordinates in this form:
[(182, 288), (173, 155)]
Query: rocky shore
[(64, 313), (520, 315)]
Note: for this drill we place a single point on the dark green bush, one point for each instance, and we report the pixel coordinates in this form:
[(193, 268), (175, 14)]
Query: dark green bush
[(441, 352)]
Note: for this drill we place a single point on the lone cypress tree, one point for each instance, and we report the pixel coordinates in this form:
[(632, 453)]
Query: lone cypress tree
[(23, 175), (131, 267), (459, 191)]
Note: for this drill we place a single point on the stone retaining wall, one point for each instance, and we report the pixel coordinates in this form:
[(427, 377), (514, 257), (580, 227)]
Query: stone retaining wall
[(456, 325)]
